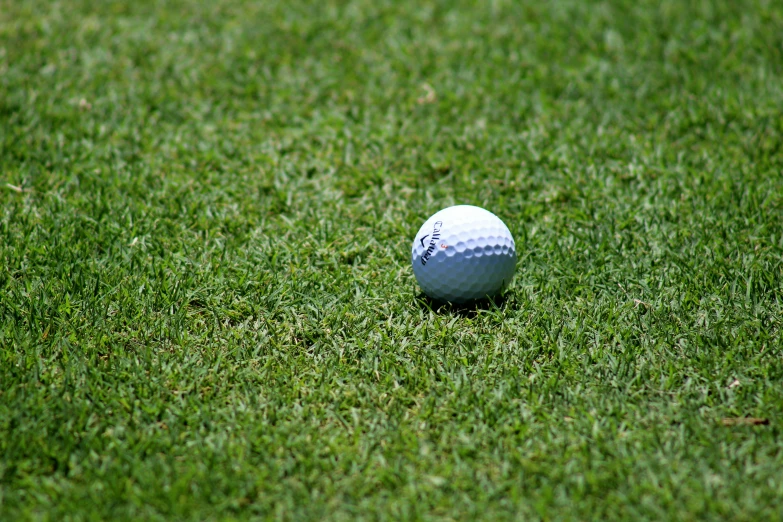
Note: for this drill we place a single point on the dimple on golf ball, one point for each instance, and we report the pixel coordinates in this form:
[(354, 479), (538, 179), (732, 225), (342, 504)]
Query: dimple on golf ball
[(463, 253)]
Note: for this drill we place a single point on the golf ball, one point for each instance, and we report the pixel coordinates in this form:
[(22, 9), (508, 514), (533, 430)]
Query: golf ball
[(463, 253)]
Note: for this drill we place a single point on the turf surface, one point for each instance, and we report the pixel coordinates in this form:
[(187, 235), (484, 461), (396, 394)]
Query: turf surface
[(206, 304)]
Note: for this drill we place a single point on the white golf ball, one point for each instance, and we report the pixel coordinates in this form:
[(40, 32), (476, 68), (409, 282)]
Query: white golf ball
[(463, 253)]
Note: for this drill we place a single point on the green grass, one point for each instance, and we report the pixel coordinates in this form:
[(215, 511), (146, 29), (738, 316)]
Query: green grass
[(206, 304)]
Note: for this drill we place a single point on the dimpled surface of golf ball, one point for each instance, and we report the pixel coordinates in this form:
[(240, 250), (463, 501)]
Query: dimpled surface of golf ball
[(463, 253)]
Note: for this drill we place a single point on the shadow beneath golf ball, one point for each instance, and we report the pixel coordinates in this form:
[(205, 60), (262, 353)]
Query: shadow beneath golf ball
[(469, 309)]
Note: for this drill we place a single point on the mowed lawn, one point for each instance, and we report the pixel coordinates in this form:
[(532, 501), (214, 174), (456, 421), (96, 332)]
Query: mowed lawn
[(207, 309)]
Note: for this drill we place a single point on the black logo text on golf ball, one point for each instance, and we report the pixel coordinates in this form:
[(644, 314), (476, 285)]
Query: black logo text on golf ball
[(433, 241)]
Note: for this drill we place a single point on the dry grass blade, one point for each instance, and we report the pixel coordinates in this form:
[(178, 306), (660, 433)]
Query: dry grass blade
[(20, 190), (744, 421)]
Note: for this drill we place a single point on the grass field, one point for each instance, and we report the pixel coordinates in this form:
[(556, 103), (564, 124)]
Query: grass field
[(207, 309)]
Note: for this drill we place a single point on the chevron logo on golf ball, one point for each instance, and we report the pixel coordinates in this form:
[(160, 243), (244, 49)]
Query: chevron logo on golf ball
[(433, 242)]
